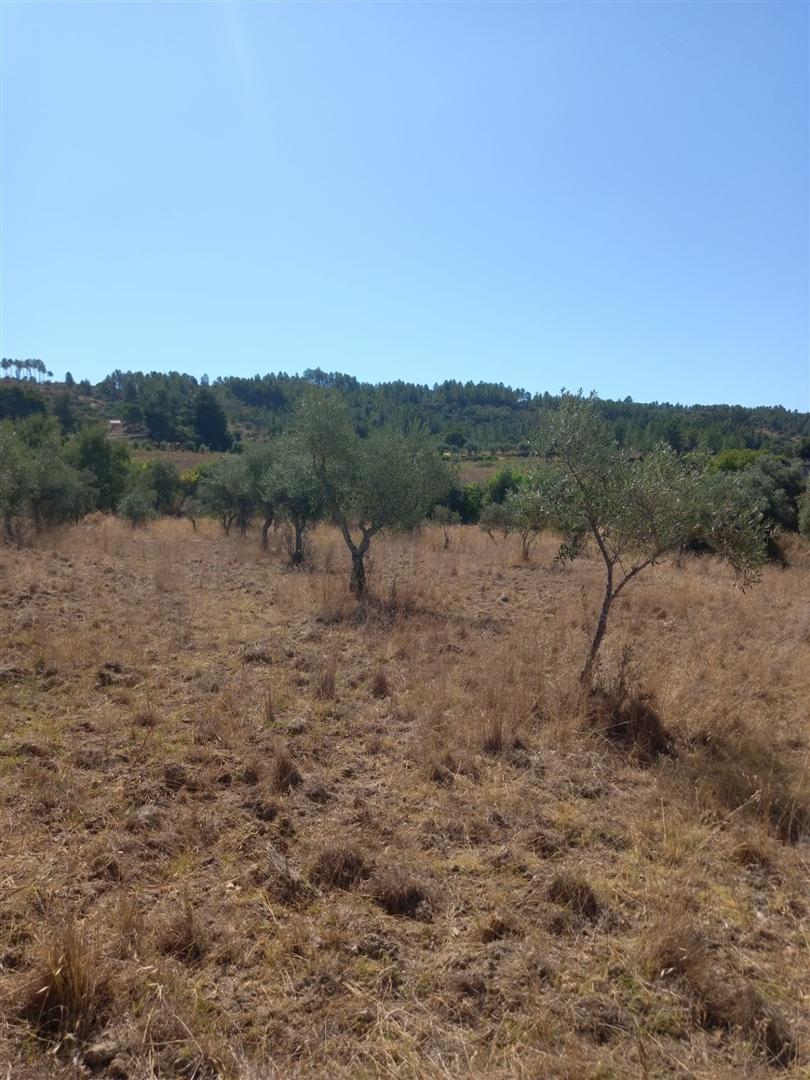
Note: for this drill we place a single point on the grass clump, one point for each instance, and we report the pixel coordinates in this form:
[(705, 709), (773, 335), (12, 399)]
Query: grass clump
[(627, 717), (284, 773), (380, 687), (721, 999), (69, 993), (183, 934), (339, 868), (574, 893), (742, 771), (400, 893)]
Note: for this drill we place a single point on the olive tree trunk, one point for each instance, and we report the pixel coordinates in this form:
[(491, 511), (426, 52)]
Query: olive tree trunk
[(357, 582), (268, 521), (298, 545), (586, 675)]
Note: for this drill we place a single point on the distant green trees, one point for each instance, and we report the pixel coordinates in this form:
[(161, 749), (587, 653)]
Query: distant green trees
[(173, 408), (464, 415), (34, 369), (64, 410), (210, 424), (18, 401)]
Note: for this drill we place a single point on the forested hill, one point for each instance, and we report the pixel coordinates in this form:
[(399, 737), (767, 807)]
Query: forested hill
[(473, 416)]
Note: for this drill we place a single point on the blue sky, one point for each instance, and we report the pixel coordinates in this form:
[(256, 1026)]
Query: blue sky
[(611, 196)]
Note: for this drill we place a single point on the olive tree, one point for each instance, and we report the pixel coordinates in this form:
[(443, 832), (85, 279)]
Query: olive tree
[(38, 486), (15, 481), (108, 460), (137, 506), (258, 461), (292, 488), (804, 513), (226, 492), (527, 510), (58, 492), (444, 516), (640, 509), (387, 481)]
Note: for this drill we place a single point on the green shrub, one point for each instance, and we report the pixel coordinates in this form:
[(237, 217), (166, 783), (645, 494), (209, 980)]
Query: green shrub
[(804, 514), (137, 507)]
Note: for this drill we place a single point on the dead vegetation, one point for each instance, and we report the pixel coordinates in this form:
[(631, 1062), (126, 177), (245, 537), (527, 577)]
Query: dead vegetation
[(67, 994), (721, 998), (250, 830), (339, 868)]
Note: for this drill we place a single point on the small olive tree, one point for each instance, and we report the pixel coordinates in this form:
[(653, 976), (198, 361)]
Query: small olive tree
[(257, 461), (58, 493), (226, 492), (388, 481), (137, 506), (804, 513), (640, 509), (444, 516), (291, 486), (527, 510)]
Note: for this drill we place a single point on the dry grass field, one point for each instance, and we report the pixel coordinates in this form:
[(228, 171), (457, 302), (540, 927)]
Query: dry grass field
[(245, 833), (182, 460), (478, 472)]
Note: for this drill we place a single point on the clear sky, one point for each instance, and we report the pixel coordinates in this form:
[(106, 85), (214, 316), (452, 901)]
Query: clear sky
[(605, 195)]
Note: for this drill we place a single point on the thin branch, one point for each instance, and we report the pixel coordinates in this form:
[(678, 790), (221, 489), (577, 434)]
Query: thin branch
[(629, 576)]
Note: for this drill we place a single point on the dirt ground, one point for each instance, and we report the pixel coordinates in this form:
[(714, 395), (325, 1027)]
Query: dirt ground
[(245, 832)]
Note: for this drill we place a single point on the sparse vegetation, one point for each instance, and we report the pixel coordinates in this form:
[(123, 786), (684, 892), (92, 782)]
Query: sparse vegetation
[(254, 828)]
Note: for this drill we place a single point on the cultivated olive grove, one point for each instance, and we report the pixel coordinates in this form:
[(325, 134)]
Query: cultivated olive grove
[(633, 509)]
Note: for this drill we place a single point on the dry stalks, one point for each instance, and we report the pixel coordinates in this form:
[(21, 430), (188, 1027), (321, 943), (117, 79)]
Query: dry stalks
[(558, 888)]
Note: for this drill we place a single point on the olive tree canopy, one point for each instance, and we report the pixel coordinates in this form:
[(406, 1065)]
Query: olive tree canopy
[(638, 509), (290, 485), (226, 492), (388, 481), (529, 509)]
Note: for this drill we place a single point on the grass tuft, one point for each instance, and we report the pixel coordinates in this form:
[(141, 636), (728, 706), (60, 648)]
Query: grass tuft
[(400, 893), (284, 773), (69, 993), (339, 868)]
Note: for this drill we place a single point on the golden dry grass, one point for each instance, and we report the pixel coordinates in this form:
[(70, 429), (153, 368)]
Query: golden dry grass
[(245, 833)]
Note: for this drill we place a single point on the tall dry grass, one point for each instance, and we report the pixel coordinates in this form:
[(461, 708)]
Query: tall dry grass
[(320, 841)]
